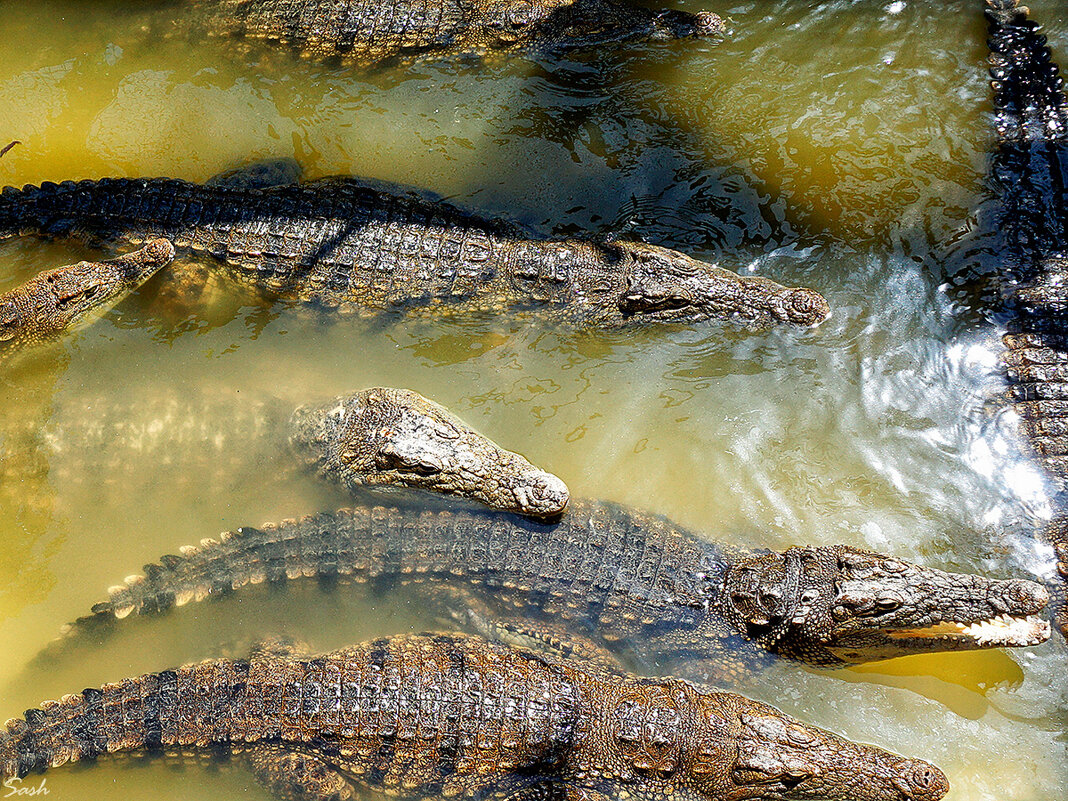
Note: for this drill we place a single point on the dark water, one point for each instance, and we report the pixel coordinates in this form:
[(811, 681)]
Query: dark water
[(839, 145)]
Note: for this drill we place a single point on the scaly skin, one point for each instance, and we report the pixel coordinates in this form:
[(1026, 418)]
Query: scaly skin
[(1030, 178), (345, 245), (367, 32), (60, 301), (381, 438), (606, 581), (445, 716)]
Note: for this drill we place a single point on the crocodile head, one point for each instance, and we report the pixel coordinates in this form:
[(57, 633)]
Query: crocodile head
[(834, 605), (779, 757), (397, 438), (738, 749), (667, 286), (62, 300)]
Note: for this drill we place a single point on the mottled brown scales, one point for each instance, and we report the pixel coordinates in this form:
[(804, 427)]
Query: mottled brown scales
[(451, 716), (60, 301), (346, 246), (366, 32), (611, 584), (1029, 175)]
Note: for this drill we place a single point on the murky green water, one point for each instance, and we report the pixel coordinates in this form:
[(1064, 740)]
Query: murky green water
[(831, 144)]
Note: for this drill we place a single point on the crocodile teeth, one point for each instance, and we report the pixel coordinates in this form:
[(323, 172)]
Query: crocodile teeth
[(1009, 630), (1003, 630)]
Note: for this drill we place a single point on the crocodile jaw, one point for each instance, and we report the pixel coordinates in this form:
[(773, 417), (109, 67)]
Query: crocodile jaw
[(1002, 631)]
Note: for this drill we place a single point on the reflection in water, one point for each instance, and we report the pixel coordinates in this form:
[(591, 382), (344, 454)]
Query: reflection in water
[(838, 145)]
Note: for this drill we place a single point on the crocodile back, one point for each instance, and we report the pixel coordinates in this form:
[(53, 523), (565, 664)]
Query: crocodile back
[(1029, 177), (603, 570), (434, 714), (365, 32), (353, 30), (339, 243)]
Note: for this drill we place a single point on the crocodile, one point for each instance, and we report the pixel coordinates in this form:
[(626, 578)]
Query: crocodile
[(380, 438), (432, 716), (1029, 178), (62, 300), (365, 33), (345, 245), (612, 584)]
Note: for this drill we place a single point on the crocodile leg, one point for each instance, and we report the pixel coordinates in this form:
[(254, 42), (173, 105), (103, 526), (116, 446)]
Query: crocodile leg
[(296, 776), (552, 638)]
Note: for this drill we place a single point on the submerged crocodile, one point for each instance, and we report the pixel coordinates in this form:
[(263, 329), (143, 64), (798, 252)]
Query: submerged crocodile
[(346, 245), (448, 716), (612, 584), (380, 438), (62, 300), (367, 32), (1030, 179)]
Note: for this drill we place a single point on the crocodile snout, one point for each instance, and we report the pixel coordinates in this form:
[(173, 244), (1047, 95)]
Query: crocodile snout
[(541, 494), (1022, 597), (920, 781)]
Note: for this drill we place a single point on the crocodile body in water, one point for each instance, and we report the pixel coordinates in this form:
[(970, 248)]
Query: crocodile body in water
[(448, 716), (614, 584), (347, 245), (379, 438), (62, 300), (367, 32), (1030, 180)]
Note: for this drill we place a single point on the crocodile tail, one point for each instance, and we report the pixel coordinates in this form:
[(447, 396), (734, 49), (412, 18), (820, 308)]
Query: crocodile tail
[(12, 206), (42, 210), (1029, 97), (1030, 167), (138, 714), (362, 544), (323, 545), (95, 211)]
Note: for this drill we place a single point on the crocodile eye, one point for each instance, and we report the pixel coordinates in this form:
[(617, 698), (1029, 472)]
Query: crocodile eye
[(888, 601), (391, 459)]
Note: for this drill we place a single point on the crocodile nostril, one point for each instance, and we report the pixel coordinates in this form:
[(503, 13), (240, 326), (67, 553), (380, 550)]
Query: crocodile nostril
[(804, 307), (1025, 597)]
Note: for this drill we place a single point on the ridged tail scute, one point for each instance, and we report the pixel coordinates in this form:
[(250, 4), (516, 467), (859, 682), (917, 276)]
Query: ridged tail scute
[(42, 210), (1029, 95), (116, 717), (91, 210), (137, 715), (1030, 167), (321, 545), (10, 211)]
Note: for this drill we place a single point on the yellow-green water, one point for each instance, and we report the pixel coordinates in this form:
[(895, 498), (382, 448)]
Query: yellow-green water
[(832, 144)]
